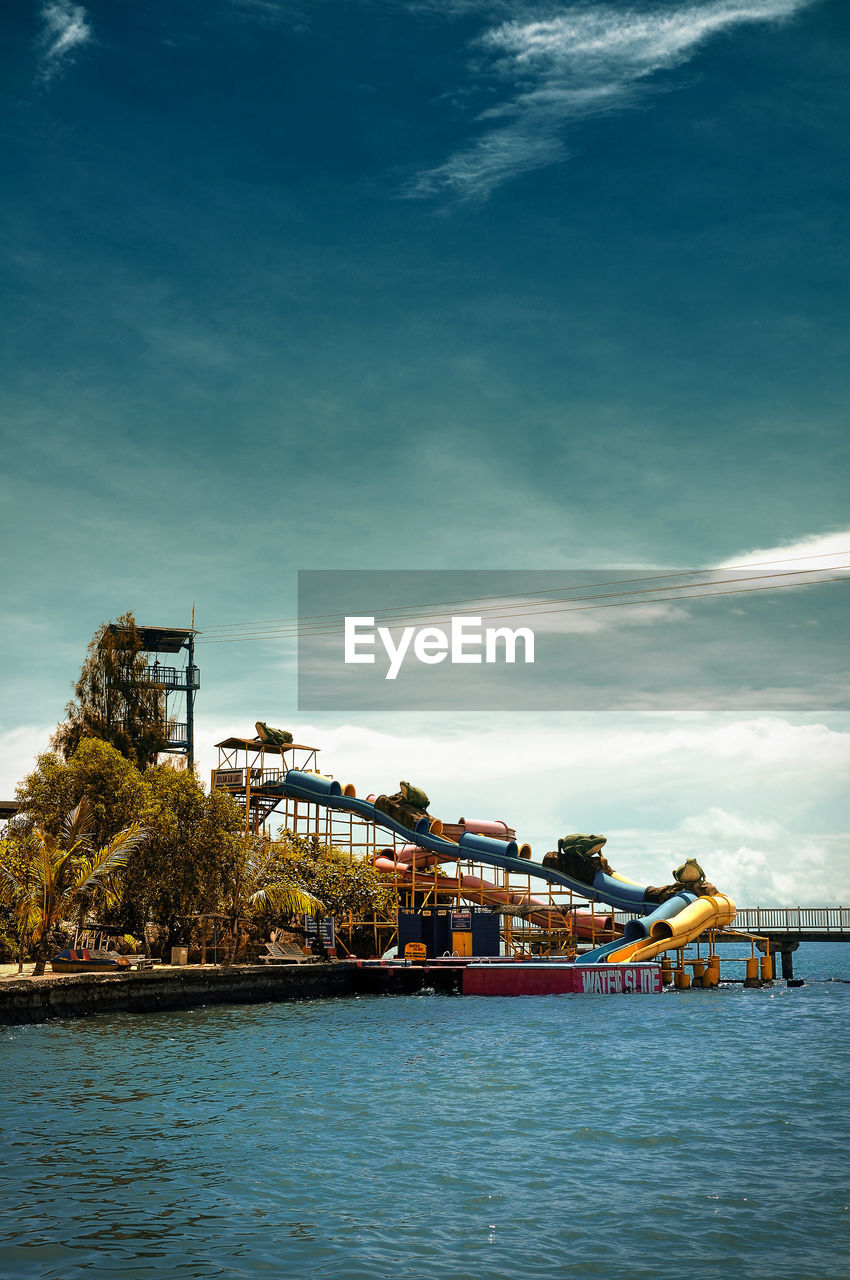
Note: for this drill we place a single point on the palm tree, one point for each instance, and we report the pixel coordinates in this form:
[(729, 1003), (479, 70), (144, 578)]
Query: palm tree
[(64, 878), (261, 883)]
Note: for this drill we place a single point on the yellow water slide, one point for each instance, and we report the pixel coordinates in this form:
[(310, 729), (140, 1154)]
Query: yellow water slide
[(714, 912)]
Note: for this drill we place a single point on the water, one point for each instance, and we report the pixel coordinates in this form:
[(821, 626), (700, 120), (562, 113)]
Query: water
[(695, 1134)]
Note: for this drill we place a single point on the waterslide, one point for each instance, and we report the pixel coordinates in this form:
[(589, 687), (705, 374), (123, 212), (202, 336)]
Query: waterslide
[(675, 923), (667, 926), (539, 911)]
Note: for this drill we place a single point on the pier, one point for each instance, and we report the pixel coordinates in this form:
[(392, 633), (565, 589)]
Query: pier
[(795, 924), (785, 928)]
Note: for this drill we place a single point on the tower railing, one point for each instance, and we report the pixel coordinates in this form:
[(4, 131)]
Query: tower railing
[(173, 677)]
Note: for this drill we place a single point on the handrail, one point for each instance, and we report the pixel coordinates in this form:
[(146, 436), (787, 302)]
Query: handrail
[(173, 677), (794, 920)]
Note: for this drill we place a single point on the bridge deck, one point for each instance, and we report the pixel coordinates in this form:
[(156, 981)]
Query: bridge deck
[(795, 924), (790, 924)]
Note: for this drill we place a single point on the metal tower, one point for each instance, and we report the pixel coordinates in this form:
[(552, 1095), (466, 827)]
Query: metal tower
[(178, 684)]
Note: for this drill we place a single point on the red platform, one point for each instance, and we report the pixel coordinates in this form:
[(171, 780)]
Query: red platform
[(550, 979)]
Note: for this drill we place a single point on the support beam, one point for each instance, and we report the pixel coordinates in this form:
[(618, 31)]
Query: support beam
[(190, 703), (788, 950)]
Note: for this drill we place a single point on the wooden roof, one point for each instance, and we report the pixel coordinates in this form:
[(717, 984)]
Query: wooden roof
[(254, 744), (159, 639)]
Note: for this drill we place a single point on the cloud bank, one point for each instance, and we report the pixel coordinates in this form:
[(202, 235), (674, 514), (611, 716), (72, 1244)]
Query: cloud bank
[(760, 802), (828, 553), (592, 61), (65, 30)]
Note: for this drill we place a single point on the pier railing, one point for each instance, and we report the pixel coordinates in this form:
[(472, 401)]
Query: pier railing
[(793, 920), (818, 924)]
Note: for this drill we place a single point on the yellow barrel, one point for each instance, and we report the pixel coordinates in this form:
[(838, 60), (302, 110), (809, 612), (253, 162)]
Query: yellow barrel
[(767, 968), (666, 969), (712, 972), (699, 972), (752, 969), (682, 979)]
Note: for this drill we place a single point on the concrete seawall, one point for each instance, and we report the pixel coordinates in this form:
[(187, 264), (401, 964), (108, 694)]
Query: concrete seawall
[(81, 995)]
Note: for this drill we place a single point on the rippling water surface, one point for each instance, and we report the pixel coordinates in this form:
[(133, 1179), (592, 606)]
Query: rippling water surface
[(695, 1134)]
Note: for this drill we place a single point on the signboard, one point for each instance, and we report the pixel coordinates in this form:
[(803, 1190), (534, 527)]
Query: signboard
[(549, 978), (324, 930), (461, 921), (415, 951), (228, 777)]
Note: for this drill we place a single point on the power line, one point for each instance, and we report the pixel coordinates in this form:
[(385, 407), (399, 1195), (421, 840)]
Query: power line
[(415, 610), (294, 627), (575, 606)]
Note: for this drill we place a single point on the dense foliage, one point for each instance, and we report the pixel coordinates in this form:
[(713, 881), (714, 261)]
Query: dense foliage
[(190, 854), (188, 857), (115, 789), (49, 879), (342, 884), (112, 699)]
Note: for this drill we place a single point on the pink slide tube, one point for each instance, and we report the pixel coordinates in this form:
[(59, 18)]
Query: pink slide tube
[(490, 895)]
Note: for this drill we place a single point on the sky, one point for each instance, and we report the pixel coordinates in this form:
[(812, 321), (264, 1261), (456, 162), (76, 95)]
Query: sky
[(441, 285)]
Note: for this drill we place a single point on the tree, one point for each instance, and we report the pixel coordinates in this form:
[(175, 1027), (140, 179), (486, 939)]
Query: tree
[(62, 879), (189, 860), (17, 855), (267, 885), (343, 884), (112, 699), (113, 786)]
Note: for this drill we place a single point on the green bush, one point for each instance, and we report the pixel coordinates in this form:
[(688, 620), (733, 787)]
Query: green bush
[(8, 946)]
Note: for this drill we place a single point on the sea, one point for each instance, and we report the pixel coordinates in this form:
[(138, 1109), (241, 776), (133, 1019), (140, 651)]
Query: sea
[(696, 1134)]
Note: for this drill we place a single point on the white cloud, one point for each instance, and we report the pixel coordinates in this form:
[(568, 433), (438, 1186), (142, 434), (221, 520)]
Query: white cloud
[(571, 618), (564, 615), (718, 824), (761, 803), (591, 61), (782, 870), (818, 551), (65, 29)]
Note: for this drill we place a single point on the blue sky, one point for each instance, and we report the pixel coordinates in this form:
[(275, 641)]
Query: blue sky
[(438, 284)]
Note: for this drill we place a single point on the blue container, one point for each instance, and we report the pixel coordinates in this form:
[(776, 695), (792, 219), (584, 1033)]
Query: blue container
[(409, 929), (485, 933)]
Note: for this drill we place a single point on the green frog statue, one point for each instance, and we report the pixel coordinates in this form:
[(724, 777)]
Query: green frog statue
[(579, 856), (690, 872), (690, 876), (272, 737), (408, 805)]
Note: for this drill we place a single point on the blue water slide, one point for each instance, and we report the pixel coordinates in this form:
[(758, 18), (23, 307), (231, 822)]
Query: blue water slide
[(619, 894), (636, 929), (599, 954)]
